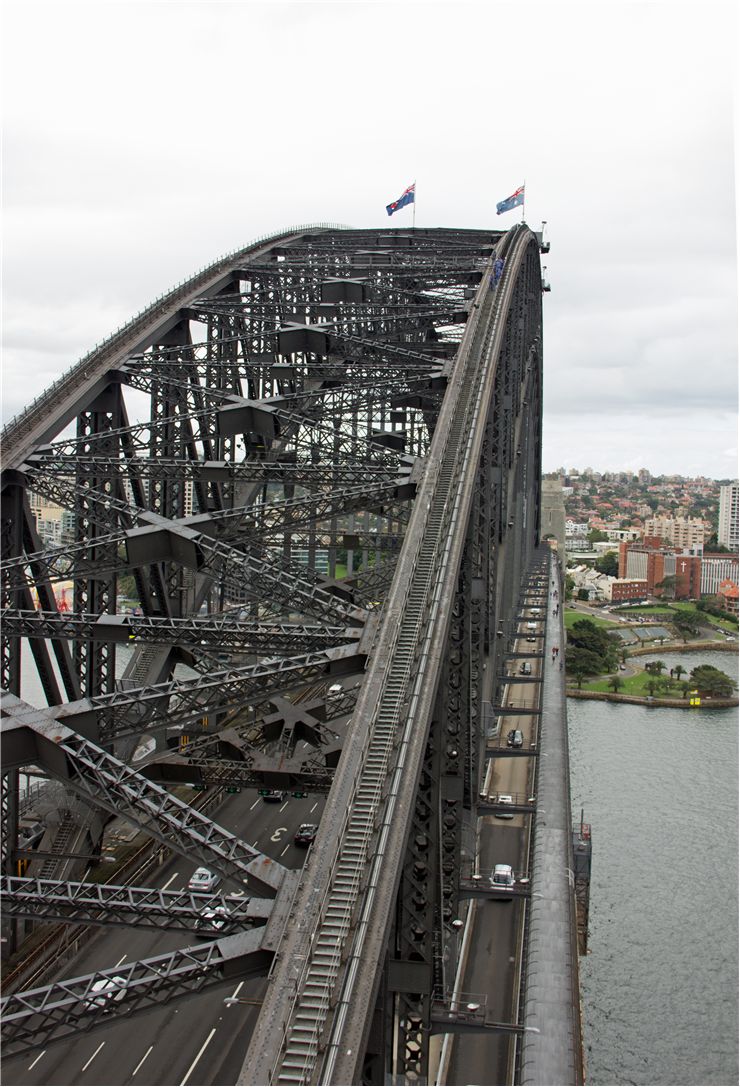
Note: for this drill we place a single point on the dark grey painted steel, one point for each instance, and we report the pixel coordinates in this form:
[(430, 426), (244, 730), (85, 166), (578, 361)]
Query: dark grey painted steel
[(109, 904), (302, 395)]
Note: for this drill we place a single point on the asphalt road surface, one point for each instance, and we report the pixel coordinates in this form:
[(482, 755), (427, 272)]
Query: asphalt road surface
[(491, 973), (194, 1040)]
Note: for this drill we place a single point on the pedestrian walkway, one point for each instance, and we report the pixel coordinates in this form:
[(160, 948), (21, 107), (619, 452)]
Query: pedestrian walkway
[(551, 1052)]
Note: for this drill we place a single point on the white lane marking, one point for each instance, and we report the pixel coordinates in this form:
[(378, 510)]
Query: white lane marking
[(200, 1054), (120, 961), (283, 808), (254, 843), (169, 881), (285, 850), (37, 1059), (233, 995), (93, 1056), (138, 1066), (255, 803), (313, 809)]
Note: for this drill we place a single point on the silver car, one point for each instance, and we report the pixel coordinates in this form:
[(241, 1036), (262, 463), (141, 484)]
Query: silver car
[(203, 880)]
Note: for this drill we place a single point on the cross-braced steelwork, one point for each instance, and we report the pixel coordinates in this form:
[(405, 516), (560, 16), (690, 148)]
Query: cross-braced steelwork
[(318, 460)]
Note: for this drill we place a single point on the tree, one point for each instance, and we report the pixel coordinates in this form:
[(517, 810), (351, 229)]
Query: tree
[(583, 594), (654, 668), (710, 681), (569, 585), (615, 682), (686, 625), (652, 685), (580, 676), (584, 634), (608, 564), (685, 688), (585, 661), (716, 548), (667, 586), (595, 535), (678, 671)]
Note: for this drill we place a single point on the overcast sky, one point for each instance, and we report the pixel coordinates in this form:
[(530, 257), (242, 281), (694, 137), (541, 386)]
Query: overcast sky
[(143, 139)]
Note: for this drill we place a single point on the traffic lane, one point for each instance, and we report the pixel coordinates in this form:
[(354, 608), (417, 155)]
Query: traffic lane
[(202, 1040), (491, 966), (267, 827)]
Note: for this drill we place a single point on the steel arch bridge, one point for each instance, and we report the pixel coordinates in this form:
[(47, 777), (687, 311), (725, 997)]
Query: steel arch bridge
[(315, 467)]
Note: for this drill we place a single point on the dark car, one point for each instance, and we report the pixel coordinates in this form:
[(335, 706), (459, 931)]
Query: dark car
[(514, 738), (305, 834)]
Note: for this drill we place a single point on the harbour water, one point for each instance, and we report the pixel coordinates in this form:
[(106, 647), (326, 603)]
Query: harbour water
[(660, 789)]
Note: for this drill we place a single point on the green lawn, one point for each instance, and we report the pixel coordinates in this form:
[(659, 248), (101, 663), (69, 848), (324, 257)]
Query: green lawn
[(638, 685), (572, 617)]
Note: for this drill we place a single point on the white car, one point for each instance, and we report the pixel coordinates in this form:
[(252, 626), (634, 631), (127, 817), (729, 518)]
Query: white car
[(203, 880), (504, 798), (502, 878), (105, 990)]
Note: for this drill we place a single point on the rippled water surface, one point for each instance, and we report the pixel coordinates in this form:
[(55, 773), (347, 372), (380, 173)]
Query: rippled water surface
[(660, 986)]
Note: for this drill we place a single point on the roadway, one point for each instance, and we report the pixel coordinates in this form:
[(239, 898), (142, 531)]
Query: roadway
[(492, 964), (194, 1040)]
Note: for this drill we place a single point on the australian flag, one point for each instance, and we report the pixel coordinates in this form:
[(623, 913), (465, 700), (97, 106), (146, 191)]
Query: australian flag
[(512, 201), (406, 197)]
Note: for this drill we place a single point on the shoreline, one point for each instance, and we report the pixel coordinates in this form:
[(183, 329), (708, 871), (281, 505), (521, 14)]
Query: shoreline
[(650, 700), (638, 700)]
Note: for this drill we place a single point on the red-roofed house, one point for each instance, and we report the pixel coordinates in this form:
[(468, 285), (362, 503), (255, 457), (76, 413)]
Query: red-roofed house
[(727, 594)]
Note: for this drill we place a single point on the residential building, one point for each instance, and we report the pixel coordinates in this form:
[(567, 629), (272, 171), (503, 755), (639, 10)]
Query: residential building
[(684, 532), (728, 596), (618, 534), (727, 524), (598, 586)]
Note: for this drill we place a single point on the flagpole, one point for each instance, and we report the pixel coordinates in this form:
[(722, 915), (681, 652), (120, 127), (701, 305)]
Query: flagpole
[(524, 187), (413, 221)]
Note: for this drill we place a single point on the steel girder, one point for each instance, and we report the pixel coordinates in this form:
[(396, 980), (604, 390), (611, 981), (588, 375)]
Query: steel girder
[(289, 383), (108, 904), (225, 632), (51, 1013)]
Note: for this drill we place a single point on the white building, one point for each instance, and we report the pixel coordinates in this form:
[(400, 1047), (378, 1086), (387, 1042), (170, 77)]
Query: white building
[(619, 534), (727, 527), (598, 586), (715, 570)]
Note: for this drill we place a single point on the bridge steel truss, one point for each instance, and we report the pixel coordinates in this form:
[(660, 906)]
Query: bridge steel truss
[(318, 459)]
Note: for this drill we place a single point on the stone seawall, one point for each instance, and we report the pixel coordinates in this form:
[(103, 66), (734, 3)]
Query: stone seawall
[(676, 703)]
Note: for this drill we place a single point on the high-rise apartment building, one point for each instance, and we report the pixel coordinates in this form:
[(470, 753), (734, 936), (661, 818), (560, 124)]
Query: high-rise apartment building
[(727, 527), (684, 532)]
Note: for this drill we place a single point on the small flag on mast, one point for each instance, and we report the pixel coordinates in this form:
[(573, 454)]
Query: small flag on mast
[(512, 201), (406, 197)]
